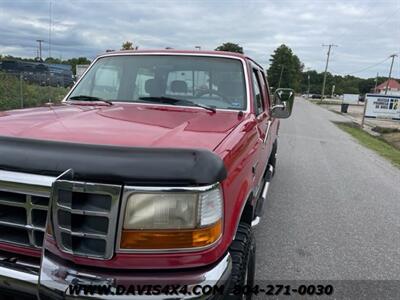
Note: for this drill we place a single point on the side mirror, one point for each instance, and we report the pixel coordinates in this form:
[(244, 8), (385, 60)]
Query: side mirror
[(283, 103)]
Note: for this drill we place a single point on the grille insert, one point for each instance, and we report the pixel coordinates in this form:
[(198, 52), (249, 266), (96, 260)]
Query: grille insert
[(84, 247), (85, 218), (12, 197), (82, 223), (38, 238), (24, 201), (39, 218), (22, 216), (14, 235), (44, 201), (12, 214)]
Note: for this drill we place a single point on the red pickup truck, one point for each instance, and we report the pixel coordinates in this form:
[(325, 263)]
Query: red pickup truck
[(151, 173)]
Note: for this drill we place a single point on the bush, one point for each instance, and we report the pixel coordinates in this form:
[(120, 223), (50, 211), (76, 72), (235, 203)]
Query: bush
[(32, 94)]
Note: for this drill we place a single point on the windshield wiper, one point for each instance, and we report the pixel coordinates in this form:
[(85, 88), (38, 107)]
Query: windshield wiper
[(174, 101), (89, 98)]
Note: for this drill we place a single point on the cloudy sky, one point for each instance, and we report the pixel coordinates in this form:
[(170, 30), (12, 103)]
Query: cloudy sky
[(366, 32)]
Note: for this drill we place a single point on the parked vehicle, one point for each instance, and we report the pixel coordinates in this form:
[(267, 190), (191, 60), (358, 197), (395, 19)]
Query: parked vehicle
[(153, 171), (40, 73), (316, 96)]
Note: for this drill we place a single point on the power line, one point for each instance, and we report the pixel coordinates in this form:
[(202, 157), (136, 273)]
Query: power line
[(364, 69), (389, 18), (369, 67)]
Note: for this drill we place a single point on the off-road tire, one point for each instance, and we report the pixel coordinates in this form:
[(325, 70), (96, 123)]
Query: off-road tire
[(243, 252)]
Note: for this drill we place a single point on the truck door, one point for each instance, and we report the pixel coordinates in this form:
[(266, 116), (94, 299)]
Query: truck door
[(270, 133), (263, 125)]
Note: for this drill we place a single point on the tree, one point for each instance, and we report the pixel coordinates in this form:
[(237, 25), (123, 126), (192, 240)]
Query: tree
[(52, 60), (128, 46), (285, 69), (77, 61), (230, 47), (366, 85)]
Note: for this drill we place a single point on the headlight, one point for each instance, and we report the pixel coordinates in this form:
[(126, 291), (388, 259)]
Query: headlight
[(172, 220)]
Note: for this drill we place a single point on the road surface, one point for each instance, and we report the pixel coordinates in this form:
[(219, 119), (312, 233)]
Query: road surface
[(333, 209)]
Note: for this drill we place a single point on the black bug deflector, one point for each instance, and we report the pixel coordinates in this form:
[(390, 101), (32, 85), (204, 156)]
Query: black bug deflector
[(113, 164)]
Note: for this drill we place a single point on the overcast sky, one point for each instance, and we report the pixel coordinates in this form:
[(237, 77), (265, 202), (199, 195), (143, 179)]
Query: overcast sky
[(367, 32)]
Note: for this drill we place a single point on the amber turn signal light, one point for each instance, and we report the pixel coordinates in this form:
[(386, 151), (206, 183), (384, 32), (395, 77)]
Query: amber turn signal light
[(171, 239)]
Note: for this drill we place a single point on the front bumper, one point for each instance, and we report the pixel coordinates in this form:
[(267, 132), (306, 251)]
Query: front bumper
[(52, 280)]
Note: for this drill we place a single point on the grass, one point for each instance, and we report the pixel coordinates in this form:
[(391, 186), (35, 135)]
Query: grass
[(332, 102), (376, 144), (33, 95), (326, 102), (384, 130)]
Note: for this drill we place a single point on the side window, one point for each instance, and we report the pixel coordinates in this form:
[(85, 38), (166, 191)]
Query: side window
[(265, 88), (258, 97)]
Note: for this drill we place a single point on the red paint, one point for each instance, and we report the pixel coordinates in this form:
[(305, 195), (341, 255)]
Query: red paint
[(20, 250), (237, 139), (123, 124)]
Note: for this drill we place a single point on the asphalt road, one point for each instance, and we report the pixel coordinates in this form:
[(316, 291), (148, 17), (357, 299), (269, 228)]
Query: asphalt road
[(333, 209)]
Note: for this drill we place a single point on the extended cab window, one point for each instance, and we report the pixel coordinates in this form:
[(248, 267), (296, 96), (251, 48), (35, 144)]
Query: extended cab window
[(142, 76), (258, 97), (192, 82), (203, 80)]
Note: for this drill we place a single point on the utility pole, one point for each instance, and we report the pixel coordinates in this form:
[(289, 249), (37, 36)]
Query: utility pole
[(50, 25), (21, 94), (376, 82), (326, 68), (390, 72), (50, 28), (308, 82), (40, 48), (280, 76)]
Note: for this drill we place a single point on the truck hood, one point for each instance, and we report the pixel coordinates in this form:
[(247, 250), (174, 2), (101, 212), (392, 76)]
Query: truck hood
[(134, 125)]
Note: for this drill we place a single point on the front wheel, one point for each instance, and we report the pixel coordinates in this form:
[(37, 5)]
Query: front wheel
[(243, 253)]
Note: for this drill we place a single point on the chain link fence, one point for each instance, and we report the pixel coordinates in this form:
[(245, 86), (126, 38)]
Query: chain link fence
[(23, 89)]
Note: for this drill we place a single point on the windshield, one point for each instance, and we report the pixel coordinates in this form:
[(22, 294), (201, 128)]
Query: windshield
[(210, 81)]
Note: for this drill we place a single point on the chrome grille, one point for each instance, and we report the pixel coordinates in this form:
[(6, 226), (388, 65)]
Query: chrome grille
[(85, 218), (24, 201)]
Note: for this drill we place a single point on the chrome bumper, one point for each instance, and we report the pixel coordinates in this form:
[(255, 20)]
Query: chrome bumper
[(15, 277), (52, 280)]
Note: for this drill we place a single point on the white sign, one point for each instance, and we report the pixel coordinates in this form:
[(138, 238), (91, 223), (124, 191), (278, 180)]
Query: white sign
[(383, 106), (80, 69), (350, 98)]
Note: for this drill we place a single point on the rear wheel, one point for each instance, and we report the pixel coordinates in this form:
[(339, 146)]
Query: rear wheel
[(243, 253)]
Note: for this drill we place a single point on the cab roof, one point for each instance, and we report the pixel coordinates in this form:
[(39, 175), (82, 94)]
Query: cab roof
[(174, 51)]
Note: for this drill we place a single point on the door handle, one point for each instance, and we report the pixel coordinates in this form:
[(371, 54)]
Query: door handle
[(267, 131)]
